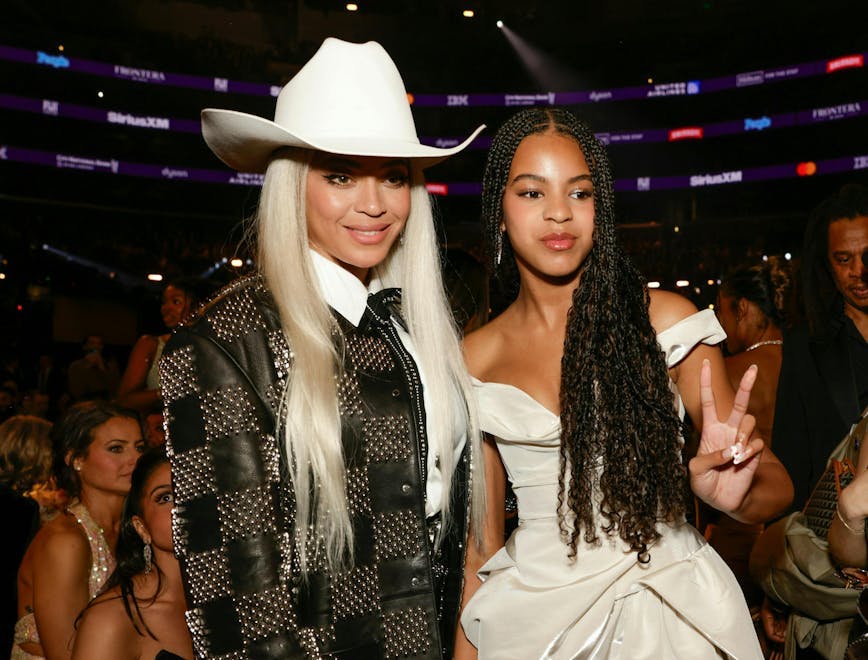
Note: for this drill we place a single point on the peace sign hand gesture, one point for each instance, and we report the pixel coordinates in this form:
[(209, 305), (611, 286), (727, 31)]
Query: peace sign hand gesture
[(723, 469)]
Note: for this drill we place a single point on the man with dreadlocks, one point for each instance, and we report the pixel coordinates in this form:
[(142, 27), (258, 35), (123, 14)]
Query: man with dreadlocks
[(582, 383)]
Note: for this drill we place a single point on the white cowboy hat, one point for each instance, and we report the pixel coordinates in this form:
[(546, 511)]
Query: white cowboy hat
[(348, 99)]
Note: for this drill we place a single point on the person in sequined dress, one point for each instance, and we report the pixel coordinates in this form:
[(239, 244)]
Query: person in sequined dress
[(96, 448)]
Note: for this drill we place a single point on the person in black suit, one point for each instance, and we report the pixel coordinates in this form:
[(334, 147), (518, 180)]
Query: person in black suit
[(823, 384)]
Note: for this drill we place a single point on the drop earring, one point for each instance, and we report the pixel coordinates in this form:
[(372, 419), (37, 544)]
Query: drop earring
[(499, 254), (147, 554)]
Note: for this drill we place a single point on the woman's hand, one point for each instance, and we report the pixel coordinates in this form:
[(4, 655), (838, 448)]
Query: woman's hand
[(847, 543), (723, 469)]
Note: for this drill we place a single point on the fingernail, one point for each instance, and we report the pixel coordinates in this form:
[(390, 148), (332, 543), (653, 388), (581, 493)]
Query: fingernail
[(733, 452), (742, 437), (741, 456)]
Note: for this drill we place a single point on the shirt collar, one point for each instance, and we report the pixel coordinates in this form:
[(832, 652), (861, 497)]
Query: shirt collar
[(342, 290)]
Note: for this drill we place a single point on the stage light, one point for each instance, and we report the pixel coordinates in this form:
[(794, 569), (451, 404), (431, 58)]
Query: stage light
[(676, 229), (710, 282), (467, 13), (100, 94), (2, 276), (60, 47), (653, 285), (787, 256), (155, 277), (682, 283), (236, 263), (650, 81), (547, 72), (352, 6)]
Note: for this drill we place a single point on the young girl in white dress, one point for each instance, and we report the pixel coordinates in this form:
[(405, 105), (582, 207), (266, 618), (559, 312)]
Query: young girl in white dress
[(582, 383)]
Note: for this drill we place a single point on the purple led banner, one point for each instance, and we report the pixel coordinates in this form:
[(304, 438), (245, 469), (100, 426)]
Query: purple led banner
[(639, 184), (756, 124), (135, 74), (460, 100)]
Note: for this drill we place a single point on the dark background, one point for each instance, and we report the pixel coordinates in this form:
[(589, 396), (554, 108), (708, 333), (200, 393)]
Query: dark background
[(138, 226)]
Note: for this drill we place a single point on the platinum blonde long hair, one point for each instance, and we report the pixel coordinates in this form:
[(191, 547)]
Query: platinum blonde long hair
[(309, 415)]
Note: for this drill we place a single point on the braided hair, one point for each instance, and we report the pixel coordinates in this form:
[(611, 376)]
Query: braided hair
[(768, 285), (620, 434)]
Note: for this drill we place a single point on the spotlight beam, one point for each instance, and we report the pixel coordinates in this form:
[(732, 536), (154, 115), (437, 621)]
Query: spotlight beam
[(549, 74)]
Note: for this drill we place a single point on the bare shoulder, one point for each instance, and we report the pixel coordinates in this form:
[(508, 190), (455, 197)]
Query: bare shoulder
[(105, 630), (667, 308), (61, 539), (107, 607), (482, 347), (146, 344)]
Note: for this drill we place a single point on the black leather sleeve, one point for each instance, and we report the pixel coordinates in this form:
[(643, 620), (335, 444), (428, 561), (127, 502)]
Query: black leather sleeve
[(231, 523)]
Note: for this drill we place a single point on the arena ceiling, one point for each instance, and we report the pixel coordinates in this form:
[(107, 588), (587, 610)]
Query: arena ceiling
[(169, 220)]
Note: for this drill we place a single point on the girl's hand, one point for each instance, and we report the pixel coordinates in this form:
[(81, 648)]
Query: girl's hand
[(724, 466)]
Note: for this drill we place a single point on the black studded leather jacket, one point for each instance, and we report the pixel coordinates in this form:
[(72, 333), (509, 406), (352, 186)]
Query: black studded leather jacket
[(221, 377)]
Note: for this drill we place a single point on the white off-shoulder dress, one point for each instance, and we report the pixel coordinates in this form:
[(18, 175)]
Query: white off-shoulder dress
[(537, 603)]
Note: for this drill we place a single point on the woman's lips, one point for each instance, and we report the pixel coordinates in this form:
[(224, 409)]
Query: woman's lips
[(558, 242), (369, 235)]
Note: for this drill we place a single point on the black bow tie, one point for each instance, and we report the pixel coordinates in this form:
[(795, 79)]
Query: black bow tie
[(383, 306)]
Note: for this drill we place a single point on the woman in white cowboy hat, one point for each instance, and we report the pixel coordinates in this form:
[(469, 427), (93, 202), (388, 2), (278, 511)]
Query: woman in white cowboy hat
[(317, 416)]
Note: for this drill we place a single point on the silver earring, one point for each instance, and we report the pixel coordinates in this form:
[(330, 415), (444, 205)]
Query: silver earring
[(499, 255), (147, 554), (401, 238)]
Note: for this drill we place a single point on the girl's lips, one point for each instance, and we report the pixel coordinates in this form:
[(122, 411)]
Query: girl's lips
[(558, 242), (369, 235)]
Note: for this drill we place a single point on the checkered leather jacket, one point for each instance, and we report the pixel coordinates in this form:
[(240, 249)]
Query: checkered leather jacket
[(221, 376)]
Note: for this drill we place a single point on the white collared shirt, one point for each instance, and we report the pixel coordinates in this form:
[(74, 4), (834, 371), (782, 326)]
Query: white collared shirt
[(346, 294)]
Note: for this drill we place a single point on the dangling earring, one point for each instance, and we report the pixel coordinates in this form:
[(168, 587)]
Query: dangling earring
[(401, 238), (499, 255), (147, 554)]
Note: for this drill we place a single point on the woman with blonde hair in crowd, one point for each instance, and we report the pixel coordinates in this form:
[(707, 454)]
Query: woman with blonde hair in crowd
[(25, 462), (95, 449)]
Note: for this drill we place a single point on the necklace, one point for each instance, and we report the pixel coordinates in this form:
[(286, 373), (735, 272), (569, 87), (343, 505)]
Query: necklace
[(767, 342)]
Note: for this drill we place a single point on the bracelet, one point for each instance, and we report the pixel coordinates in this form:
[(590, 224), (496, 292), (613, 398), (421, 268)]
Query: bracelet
[(844, 522)]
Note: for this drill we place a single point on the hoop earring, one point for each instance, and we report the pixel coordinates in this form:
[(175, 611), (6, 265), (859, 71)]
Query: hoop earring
[(147, 554)]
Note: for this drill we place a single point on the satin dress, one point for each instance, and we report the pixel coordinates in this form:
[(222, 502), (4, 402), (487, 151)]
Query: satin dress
[(536, 603)]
